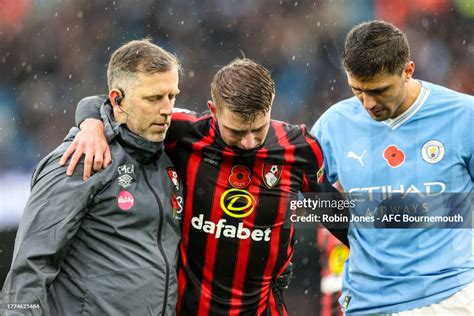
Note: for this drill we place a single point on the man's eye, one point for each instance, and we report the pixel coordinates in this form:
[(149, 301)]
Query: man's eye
[(238, 134), (154, 99), (375, 92)]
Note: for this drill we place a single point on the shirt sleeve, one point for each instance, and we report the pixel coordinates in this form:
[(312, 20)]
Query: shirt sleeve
[(89, 107), (182, 123), (321, 133), (314, 177), (315, 180), (51, 218)]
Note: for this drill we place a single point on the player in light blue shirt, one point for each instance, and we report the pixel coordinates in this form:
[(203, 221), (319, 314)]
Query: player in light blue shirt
[(398, 135)]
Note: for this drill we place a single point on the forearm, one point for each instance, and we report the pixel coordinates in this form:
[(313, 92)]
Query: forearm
[(91, 140), (89, 108)]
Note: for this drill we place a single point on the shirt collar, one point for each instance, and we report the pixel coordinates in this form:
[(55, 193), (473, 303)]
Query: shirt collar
[(412, 110)]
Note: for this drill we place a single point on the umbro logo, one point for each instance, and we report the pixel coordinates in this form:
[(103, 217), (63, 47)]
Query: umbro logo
[(211, 156), (359, 158), (211, 159), (125, 180)]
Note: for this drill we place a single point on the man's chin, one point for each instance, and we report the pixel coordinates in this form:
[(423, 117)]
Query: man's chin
[(379, 118), (156, 138)]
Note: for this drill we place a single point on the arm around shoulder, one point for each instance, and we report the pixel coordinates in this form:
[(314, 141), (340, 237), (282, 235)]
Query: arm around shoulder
[(89, 107)]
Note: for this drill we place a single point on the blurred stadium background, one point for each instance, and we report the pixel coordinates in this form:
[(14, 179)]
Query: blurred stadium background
[(54, 52)]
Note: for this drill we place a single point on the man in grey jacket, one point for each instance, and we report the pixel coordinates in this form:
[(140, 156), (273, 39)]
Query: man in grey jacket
[(107, 246)]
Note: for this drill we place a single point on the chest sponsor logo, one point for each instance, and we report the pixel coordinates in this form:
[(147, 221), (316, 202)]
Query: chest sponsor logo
[(271, 174), (359, 158), (238, 203), (433, 151), (221, 228), (394, 156), (239, 177), (125, 200), (385, 191)]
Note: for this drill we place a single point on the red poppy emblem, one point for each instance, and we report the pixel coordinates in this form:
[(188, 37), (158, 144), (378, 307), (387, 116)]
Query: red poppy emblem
[(239, 177), (395, 157)]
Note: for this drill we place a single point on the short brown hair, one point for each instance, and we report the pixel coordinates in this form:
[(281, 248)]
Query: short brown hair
[(138, 56), (245, 87), (373, 48)]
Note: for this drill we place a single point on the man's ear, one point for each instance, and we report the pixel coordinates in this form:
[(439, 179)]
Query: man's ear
[(409, 70), (113, 95), (212, 107)]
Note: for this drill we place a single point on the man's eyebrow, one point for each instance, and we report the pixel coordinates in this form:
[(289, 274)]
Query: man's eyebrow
[(259, 128), (234, 130), (160, 93), (244, 130), (376, 90)]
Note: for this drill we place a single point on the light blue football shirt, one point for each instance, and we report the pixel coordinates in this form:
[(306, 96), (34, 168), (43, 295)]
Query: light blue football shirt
[(430, 148)]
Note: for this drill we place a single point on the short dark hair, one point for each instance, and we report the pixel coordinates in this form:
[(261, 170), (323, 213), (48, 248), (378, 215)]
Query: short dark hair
[(373, 48), (244, 87), (138, 56)]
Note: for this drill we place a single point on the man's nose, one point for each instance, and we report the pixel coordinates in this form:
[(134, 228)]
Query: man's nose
[(368, 101), (166, 107), (248, 141)]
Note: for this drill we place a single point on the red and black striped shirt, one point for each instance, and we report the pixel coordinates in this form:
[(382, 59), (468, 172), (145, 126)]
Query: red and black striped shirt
[(234, 241)]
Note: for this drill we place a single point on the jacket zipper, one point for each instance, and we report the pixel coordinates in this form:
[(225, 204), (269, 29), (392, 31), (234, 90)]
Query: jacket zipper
[(160, 246)]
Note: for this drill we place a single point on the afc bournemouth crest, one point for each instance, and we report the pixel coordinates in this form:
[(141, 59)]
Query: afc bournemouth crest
[(432, 151), (239, 177), (271, 174)]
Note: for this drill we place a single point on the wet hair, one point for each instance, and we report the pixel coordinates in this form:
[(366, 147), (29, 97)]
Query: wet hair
[(244, 87), (138, 56), (373, 48)]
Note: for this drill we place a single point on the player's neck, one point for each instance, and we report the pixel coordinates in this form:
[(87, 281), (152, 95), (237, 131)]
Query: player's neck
[(413, 92)]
